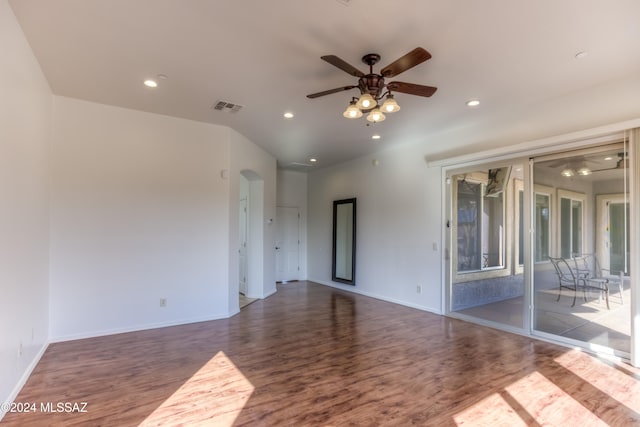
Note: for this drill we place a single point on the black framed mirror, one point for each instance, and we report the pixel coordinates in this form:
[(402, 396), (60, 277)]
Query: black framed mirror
[(343, 266)]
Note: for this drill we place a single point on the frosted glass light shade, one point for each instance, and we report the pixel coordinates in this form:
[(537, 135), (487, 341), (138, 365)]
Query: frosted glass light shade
[(390, 105), (352, 112), (366, 102), (376, 116), (584, 171)]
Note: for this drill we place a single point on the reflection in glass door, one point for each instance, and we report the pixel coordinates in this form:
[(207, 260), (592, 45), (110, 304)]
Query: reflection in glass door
[(578, 293), (617, 255), (613, 233), (571, 222), (542, 225)]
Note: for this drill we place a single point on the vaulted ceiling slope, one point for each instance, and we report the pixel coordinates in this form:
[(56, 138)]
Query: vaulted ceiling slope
[(518, 57)]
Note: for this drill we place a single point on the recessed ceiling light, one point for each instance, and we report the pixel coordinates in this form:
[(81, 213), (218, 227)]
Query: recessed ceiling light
[(313, 160), (150, 83), (288, 115), (608, 158), (375, 137), (473, 103), (580, 55)]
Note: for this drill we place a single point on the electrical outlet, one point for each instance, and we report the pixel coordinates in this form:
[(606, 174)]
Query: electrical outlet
[(435, 246), (163, 302), (20, 349), (419, 289), (33, 334)]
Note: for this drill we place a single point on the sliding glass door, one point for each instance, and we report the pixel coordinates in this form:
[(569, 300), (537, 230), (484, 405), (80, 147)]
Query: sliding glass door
[(546, 249), (581, 248)]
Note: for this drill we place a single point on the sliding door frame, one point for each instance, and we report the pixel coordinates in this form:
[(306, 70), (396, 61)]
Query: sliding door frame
[(521, 153)]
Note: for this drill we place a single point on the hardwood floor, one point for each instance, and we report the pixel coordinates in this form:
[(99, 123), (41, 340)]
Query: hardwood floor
[(245, 301), (312, 355)]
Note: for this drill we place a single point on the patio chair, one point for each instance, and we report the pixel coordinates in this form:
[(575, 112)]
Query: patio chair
[(589, 272), (566, 278)]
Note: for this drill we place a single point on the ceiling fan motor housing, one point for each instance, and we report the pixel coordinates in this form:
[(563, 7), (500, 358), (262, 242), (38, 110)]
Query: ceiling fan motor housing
[(372, 83)]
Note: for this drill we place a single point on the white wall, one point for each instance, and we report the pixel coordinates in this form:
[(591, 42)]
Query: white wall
[(139, 212), (292, 193), (398, 221), (260, 168), (25, 121), (106, 210)]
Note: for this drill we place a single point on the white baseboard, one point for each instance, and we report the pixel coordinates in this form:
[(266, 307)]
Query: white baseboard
[(94, 334), (355, 290), (23, 379)]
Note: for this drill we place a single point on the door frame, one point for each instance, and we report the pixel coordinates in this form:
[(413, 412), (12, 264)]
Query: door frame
[(242, 250), (582, 140), (279, 222)]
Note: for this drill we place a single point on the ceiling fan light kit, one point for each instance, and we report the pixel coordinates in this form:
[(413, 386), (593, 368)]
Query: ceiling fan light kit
[(373, 87)]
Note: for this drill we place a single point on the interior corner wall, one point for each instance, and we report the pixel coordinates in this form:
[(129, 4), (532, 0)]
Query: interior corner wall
[(292, 193), (25, 124), (398, 230), (260, 168), (139, 213)]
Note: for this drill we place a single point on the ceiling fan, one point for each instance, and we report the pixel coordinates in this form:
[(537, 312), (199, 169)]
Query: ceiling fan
[(372, 86)]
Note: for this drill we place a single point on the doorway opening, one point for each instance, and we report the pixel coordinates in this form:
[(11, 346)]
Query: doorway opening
[(487, 256), (250, 285), (582, 287)]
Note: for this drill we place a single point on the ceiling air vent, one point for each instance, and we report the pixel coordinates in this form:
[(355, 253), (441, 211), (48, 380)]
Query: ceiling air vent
[(227, 107), (297, 166)]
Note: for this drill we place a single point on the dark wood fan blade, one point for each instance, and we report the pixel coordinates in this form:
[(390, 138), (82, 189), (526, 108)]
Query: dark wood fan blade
[(411, 88), (410, 60), (344, 66), (330, 91)]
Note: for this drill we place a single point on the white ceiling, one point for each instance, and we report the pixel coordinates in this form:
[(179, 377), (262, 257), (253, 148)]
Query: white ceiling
[(516, 56)]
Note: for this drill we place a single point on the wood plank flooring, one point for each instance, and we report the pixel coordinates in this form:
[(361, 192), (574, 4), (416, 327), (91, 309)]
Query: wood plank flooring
[(316, 356)]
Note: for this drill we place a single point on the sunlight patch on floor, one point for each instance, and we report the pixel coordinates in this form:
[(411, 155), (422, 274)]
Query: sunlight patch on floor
[(620, 385), (491, 411), (548, 404), (534, 399), (215, 394)]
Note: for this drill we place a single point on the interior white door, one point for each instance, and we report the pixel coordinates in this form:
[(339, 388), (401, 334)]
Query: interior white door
[(287, 244), (242, 251)]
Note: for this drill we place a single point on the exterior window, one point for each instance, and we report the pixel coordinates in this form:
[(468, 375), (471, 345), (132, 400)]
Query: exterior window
[(480, 225), (542, 227), (571, 211), (520, 227)]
